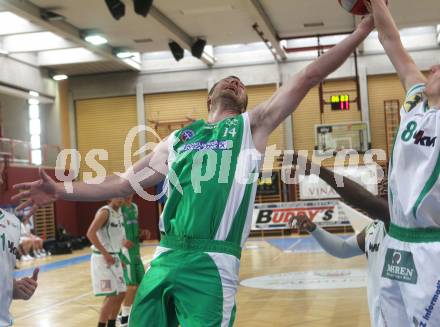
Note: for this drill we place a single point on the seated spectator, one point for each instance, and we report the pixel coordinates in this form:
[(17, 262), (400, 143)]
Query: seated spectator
[(37, 242), (25, 248)]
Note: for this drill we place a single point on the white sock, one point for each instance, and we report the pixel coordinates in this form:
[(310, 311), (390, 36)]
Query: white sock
[(126, 311)]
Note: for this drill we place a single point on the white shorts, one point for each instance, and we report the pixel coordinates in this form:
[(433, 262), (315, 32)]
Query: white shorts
[(107, 280), (24, 239), (410, 283)]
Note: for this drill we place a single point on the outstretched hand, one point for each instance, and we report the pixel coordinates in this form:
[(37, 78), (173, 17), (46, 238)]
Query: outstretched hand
[(25, 288), (303, 223), (36, 194), (367, 22), (369, 6)]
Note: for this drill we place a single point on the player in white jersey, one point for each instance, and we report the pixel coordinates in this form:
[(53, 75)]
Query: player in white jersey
[(368, 241), (10, 288), (106, 233), (410, 283)]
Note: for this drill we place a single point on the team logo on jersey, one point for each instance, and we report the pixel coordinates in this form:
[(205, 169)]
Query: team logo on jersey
[(232, 122), (397, 258), (399, 265), (412, 101), (186, 135), (199, 146), (374, 247), (421, 139)]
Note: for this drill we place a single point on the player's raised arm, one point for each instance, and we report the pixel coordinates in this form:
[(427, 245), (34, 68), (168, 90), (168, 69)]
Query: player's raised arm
[(147, 172), (389, 37), (268, 115), (332, 244), (356, 195)]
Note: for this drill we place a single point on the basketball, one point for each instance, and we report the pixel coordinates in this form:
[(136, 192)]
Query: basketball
[(355, 7)]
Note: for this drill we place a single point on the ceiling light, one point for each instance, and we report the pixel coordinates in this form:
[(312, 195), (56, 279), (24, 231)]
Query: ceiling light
[(34, 94), (59, 77), (95, 39), (33, 101), (125, 54)]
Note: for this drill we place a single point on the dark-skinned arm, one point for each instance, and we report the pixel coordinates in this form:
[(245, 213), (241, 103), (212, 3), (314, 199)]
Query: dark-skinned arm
[(354, 194)]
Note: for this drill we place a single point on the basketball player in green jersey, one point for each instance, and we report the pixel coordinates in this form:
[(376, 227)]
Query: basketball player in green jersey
[(211, 169), (134, 270)]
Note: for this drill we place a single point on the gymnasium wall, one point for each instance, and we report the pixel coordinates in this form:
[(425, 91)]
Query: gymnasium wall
[(259, 94), (104, 124), (15, 73), (65, 212), (14, 117), (174, 106), (63, 105), (382, 88), (308, 114), (76, 217)]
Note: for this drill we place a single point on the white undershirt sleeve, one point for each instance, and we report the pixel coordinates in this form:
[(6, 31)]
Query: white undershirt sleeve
[(336, 246)]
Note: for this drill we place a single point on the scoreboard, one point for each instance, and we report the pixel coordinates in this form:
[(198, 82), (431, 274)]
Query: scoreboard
[(340, 102)]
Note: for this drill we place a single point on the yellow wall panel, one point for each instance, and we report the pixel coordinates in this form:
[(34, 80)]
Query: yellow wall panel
[(104, 124), (304, 119), (382, 88), (175, 106), (257, 95)]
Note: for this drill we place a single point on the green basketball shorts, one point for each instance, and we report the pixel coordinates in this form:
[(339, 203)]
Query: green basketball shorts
[(189, 287), (134, 271)]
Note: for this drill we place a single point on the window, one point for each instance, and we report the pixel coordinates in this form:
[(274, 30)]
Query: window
[(35, 131)]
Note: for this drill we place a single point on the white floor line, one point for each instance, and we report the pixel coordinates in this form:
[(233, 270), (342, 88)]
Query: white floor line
[(47, 308), (288, 249), (303, 298), (146, 259)]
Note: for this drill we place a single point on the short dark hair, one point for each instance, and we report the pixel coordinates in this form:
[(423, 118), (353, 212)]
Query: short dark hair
[(214, 86)]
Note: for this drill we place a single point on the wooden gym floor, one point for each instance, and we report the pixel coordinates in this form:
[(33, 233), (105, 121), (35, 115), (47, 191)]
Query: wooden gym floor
[(64, 296)]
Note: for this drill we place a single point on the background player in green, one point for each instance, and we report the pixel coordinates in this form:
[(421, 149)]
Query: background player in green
[(134, 271), (210, 168)]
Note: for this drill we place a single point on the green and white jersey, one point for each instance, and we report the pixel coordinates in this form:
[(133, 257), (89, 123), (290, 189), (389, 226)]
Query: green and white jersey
[(9, 241), (216, 166), (131, 223), (111, 234), (375, 233), (414, 187)]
